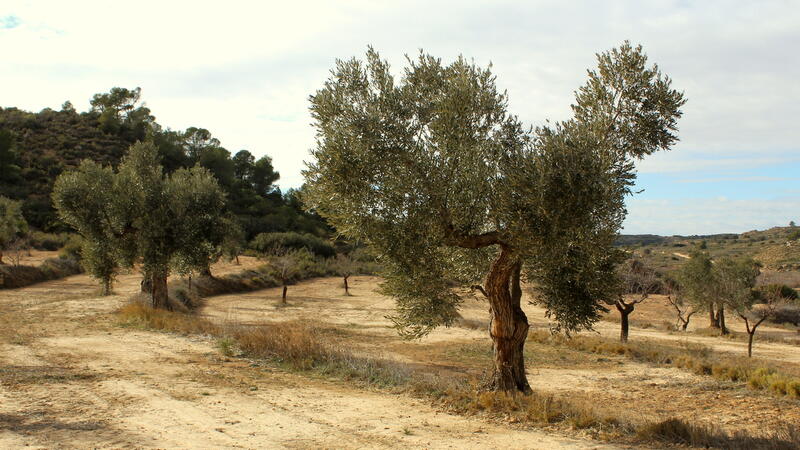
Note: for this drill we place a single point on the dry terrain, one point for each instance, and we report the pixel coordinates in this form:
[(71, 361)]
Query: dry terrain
[(72, 377)]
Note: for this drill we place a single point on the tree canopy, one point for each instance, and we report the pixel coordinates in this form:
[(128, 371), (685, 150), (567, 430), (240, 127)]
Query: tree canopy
[(12, 223), (448, 185), (139, 214)]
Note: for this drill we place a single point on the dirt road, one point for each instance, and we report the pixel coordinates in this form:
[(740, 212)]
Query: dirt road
[(70, 377)]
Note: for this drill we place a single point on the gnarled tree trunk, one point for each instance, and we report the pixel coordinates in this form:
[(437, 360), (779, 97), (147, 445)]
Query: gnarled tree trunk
[(158, 290), (721, 319), (509, 325), (625, 310), (713, 319), (107, 286)]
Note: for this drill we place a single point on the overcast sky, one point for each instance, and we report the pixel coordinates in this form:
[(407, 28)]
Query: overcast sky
[(244, 70)]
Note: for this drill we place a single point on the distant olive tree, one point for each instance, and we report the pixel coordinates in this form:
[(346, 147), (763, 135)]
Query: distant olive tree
[(638, 281), (696, 278), (285, 264), (345, 266), (235, 240), (162, 222), (734, 285), (676, 298), (446, 185), (13, 226)]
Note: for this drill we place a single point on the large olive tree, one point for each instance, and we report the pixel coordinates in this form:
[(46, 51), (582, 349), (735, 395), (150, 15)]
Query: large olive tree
[(141, 215), (436, 174)]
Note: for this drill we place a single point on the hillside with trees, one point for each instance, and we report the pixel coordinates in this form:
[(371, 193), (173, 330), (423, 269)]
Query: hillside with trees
[(37, 147)]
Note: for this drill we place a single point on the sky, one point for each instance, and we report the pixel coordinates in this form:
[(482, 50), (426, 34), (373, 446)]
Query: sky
[(244, 71)]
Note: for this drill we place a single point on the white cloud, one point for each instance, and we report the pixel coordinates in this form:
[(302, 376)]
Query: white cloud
[(244, 69)]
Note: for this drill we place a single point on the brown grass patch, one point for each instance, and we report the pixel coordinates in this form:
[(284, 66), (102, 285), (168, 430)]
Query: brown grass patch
[(137, 314), (696, 358), (675, 431)]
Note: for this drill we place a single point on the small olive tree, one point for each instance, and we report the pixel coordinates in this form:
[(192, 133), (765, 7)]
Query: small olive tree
[(345, 266), (696, 278), (445, 184), (162, 222), (676, 298), (734, 283), (235, 240), (637, 281), (286, 264), (13, 226)]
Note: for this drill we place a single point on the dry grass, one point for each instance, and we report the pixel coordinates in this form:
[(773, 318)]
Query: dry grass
[(137, 314), (696, 358), (298, 347), (675, 431)]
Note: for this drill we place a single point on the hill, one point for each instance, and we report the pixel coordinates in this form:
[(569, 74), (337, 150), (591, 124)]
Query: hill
[(36, 147), (777, 248)]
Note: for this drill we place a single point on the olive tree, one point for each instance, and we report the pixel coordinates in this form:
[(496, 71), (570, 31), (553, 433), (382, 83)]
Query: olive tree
[(677, 299), (734, 284), (345, 266), (285, 264), (637, 281), (435, 173), (13, 226), (144, 216), (81, 197), (696, 278)]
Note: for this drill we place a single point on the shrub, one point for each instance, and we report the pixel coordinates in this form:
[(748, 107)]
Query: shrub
[(787, 314), (49, 241), (72, 248), (51, 269), (265, 242)]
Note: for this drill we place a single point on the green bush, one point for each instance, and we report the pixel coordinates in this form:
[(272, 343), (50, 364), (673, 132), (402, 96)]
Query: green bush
[(265, 242), (72, 248), (51, 269), (49, 241)]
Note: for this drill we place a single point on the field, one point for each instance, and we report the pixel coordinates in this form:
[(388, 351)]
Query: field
[(75, 374)]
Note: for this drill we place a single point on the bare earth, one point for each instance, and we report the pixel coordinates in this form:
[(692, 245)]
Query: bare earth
[(70, 377)]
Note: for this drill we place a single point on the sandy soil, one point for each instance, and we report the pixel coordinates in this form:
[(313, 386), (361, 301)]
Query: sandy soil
[(70, 377), (628, 389)]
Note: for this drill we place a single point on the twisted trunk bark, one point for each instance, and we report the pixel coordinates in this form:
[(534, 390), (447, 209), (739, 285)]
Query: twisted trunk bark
[(509, 325), (721, 319), (158, 290), (625, 310), (107, 286), (713, 320)]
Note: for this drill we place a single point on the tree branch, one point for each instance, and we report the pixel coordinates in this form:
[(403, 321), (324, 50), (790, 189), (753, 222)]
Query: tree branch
[(478, 287), (472, 240)]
